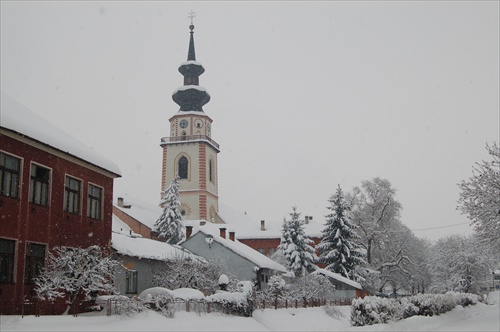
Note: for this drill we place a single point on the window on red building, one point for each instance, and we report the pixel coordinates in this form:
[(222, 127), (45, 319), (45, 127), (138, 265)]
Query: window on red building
[(9, 175), (7, 251), (39, 185), (35, 260), (72, 190), (94, 202)]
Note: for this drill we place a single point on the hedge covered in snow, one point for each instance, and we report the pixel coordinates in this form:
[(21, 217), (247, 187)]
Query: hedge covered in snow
[(375, 310)]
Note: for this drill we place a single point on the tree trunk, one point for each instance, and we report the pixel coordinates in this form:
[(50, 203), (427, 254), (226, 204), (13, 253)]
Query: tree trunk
[(369, 251)]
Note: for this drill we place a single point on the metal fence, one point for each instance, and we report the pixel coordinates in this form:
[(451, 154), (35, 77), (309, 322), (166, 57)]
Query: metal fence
[(285, 303), (114, 306)]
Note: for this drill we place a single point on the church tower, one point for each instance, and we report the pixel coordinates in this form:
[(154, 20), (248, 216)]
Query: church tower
[(190, 151)]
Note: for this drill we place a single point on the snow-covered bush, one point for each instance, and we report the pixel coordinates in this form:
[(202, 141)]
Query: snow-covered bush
[(311, 286), (466, 299), (159, 299), (234, 303), (119, 304), (375, 310), (129, 307), (276, 287), (183, 273), (73, 272)]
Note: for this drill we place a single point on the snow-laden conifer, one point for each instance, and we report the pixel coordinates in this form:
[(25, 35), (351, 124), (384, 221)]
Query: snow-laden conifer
[(339, 251), (71, 272), (168, 224), (296, 245)]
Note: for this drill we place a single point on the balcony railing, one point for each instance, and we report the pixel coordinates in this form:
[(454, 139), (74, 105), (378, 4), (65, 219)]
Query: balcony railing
[(192, 138)]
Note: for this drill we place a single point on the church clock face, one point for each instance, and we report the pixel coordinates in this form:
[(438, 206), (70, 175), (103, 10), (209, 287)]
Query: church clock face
[(183, 123)]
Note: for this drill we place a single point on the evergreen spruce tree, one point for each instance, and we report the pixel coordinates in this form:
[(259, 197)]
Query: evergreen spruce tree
[(338, 250), (168, 224), (296, 245)]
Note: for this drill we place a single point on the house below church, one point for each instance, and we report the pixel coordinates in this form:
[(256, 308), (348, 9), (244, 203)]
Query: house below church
[(140, 258), (211, 241)]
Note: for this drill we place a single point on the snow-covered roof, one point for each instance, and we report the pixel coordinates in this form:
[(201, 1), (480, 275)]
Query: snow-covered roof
[(187, 294), (119, 226), (248, 228), (261, 261), (236, 221), (20, 119), (147, 248), (190, 62), (144, 212), (187, 87), (338, 277)]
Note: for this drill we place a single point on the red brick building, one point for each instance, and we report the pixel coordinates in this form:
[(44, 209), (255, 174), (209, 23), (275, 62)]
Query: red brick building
[(54, 191)]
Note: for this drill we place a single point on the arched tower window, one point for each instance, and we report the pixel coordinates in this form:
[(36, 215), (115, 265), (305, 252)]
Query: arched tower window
[(211, 170), (183, 167)]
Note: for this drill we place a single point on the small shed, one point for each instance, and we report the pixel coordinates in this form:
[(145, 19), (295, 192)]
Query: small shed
[(344, 287)]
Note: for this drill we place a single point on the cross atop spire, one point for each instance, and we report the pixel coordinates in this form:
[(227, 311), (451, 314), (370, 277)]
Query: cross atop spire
[(191, 15)]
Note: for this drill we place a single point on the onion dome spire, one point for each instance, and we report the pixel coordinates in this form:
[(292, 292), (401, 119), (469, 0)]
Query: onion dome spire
[(190, 96)]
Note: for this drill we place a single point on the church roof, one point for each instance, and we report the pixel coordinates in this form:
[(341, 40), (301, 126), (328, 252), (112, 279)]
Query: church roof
[(144, 212), (191, 97), (248, 228), (244, 226)]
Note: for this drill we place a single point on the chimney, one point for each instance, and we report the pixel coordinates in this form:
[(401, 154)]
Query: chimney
[(189, 231), (222, 232), (262, 225), (231, 236), (120, 203)]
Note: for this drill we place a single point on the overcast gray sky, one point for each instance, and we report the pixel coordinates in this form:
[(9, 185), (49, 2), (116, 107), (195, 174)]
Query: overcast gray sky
[(304, 95)]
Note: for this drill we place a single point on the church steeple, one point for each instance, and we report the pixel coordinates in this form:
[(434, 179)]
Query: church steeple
[(191, 51), (190, 96), (190, 152)]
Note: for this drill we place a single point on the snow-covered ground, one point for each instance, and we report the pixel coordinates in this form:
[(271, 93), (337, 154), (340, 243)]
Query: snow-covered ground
[(480, 317)]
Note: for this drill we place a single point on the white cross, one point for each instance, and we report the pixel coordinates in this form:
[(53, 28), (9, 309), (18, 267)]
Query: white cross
[(192, 15)]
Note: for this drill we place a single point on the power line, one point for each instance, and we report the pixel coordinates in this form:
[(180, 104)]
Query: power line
[(426, 229)]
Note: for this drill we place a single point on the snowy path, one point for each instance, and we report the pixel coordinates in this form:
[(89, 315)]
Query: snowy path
[(480, 317)]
